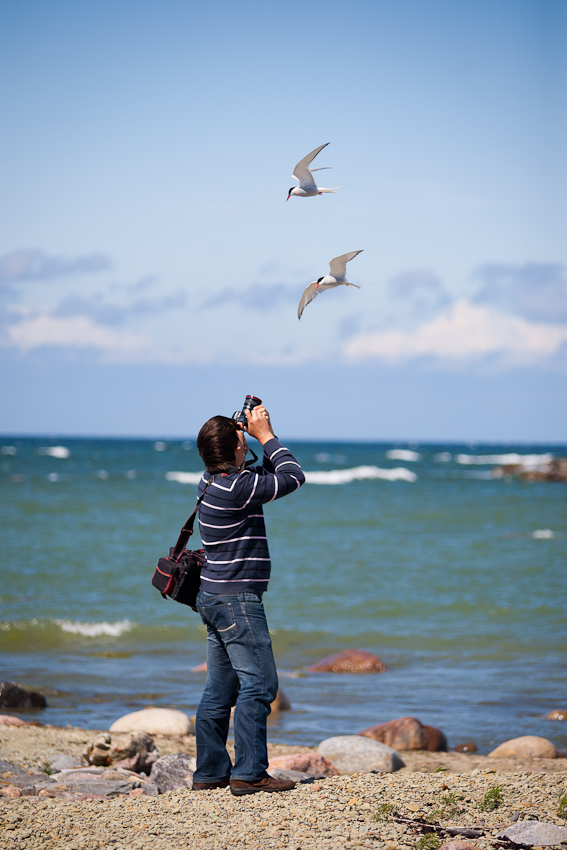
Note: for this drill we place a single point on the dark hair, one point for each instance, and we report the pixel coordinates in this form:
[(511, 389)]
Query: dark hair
[(217, 442)]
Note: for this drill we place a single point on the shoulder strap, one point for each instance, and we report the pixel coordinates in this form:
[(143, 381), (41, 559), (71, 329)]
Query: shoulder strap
[(187, 529)]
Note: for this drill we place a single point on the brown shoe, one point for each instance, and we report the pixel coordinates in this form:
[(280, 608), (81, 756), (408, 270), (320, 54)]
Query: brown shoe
[(210, 786), (238, 787)]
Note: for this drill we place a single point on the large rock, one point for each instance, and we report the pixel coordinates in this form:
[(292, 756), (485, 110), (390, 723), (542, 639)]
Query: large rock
[(525, 747), (133, 751), (313, 764), (534, 833), (407, 733), (354, 754), (12, 696), (173, 771), (154, 721), (10, 720), (349, 661)]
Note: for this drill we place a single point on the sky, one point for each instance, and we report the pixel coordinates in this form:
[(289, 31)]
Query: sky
[(151, 268)]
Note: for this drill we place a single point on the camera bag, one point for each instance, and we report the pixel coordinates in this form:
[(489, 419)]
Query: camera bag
[(178, 576)]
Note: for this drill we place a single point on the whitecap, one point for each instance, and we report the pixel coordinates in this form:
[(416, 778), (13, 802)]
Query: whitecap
[(359, 473), (159, 446), (95, 629), (184, 477), (8, 450), (510, 459), (55, 451), (403, 454), (543, 534)]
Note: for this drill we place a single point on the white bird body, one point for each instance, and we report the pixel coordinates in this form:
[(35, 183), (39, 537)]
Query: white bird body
[(304, 175), (336, 277)]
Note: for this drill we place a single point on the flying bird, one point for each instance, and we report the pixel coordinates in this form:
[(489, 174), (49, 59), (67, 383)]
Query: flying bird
[(336, 277), (304, 175)]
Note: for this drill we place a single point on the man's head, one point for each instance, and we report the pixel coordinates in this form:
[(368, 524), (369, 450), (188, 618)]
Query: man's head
[(221, 444)]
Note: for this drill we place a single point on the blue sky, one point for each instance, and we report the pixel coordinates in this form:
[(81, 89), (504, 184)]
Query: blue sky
[(150, 268)]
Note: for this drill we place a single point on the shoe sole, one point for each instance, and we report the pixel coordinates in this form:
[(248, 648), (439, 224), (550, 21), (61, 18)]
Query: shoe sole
[(240, 792)]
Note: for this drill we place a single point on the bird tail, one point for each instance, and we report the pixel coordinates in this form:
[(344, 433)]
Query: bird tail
[(356, 286), (329, 190)]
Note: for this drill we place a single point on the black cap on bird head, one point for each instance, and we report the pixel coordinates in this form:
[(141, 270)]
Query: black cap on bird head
[(289, 193)]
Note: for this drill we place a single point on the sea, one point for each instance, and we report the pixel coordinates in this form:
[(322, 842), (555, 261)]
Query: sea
[(455, 578)]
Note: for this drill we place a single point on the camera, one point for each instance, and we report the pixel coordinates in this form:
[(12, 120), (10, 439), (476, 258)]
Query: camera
[(239, 416)]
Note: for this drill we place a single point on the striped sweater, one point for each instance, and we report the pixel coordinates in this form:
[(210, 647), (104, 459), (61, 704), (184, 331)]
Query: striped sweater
[(231, 521)]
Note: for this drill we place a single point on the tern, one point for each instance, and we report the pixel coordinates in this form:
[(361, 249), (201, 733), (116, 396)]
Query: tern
[(304, 175), (336, 277)]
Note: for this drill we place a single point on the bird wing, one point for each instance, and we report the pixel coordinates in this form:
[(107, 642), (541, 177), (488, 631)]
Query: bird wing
[(311, 292), (337, 266), (301, 171)]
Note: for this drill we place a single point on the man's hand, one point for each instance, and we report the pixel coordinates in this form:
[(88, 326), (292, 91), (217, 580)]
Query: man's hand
[(259, 425)]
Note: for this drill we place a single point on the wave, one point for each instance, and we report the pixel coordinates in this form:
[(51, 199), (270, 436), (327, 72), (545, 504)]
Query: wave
[(55, 451), (359, 473), (507, 459), (184, 477), (95, 629), (403, 454)]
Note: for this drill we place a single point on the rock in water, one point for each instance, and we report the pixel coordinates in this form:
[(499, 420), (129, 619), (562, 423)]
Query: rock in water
[(466, 747), (12, 696), (313, 764), (407, 733), (557, 714), (173, 771), (354, 754), (534, 833), (349, 661), (524, 747), (154, 721)]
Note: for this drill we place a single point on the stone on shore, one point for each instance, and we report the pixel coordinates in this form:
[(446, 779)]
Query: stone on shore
[(557, 714), (458, 844), (133, 751), (63, 762), (467, 747), (407, 733), (9, 720), (173, 771), (528, 746), (154, 721), (534, 833), (12, 696), (354, 754), (310, 763), (349, 661)]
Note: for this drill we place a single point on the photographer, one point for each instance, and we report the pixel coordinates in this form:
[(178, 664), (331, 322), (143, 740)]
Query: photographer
[(240, 664)]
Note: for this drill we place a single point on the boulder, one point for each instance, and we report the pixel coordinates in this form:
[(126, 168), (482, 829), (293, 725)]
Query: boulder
[(349, 661), (154, 721), (557, 714), (311, 763), (467, 747), (10, 767), (132, 751), (525, 747), (354, 754), (12, 696), (294, 775), (407, 733), (173, 771), (534, 833)]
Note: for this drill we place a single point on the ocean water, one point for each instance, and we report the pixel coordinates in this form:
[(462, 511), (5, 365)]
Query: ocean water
[(456, 579)]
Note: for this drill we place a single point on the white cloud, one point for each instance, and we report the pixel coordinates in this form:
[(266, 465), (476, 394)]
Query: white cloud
[(72, 332), (464, 331), (34, 264)]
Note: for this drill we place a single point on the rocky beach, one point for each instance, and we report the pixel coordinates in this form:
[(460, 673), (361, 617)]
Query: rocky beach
[(437, 799)]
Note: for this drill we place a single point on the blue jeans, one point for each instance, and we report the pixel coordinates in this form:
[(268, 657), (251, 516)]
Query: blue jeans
[(240, 671)]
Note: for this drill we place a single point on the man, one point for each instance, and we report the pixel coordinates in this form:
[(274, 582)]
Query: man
[(240, 664)]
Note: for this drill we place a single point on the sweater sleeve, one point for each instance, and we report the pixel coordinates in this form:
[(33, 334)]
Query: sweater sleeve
[(279, 474)]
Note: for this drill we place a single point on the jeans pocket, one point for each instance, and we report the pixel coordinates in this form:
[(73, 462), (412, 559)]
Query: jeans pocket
[(221, 618)]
